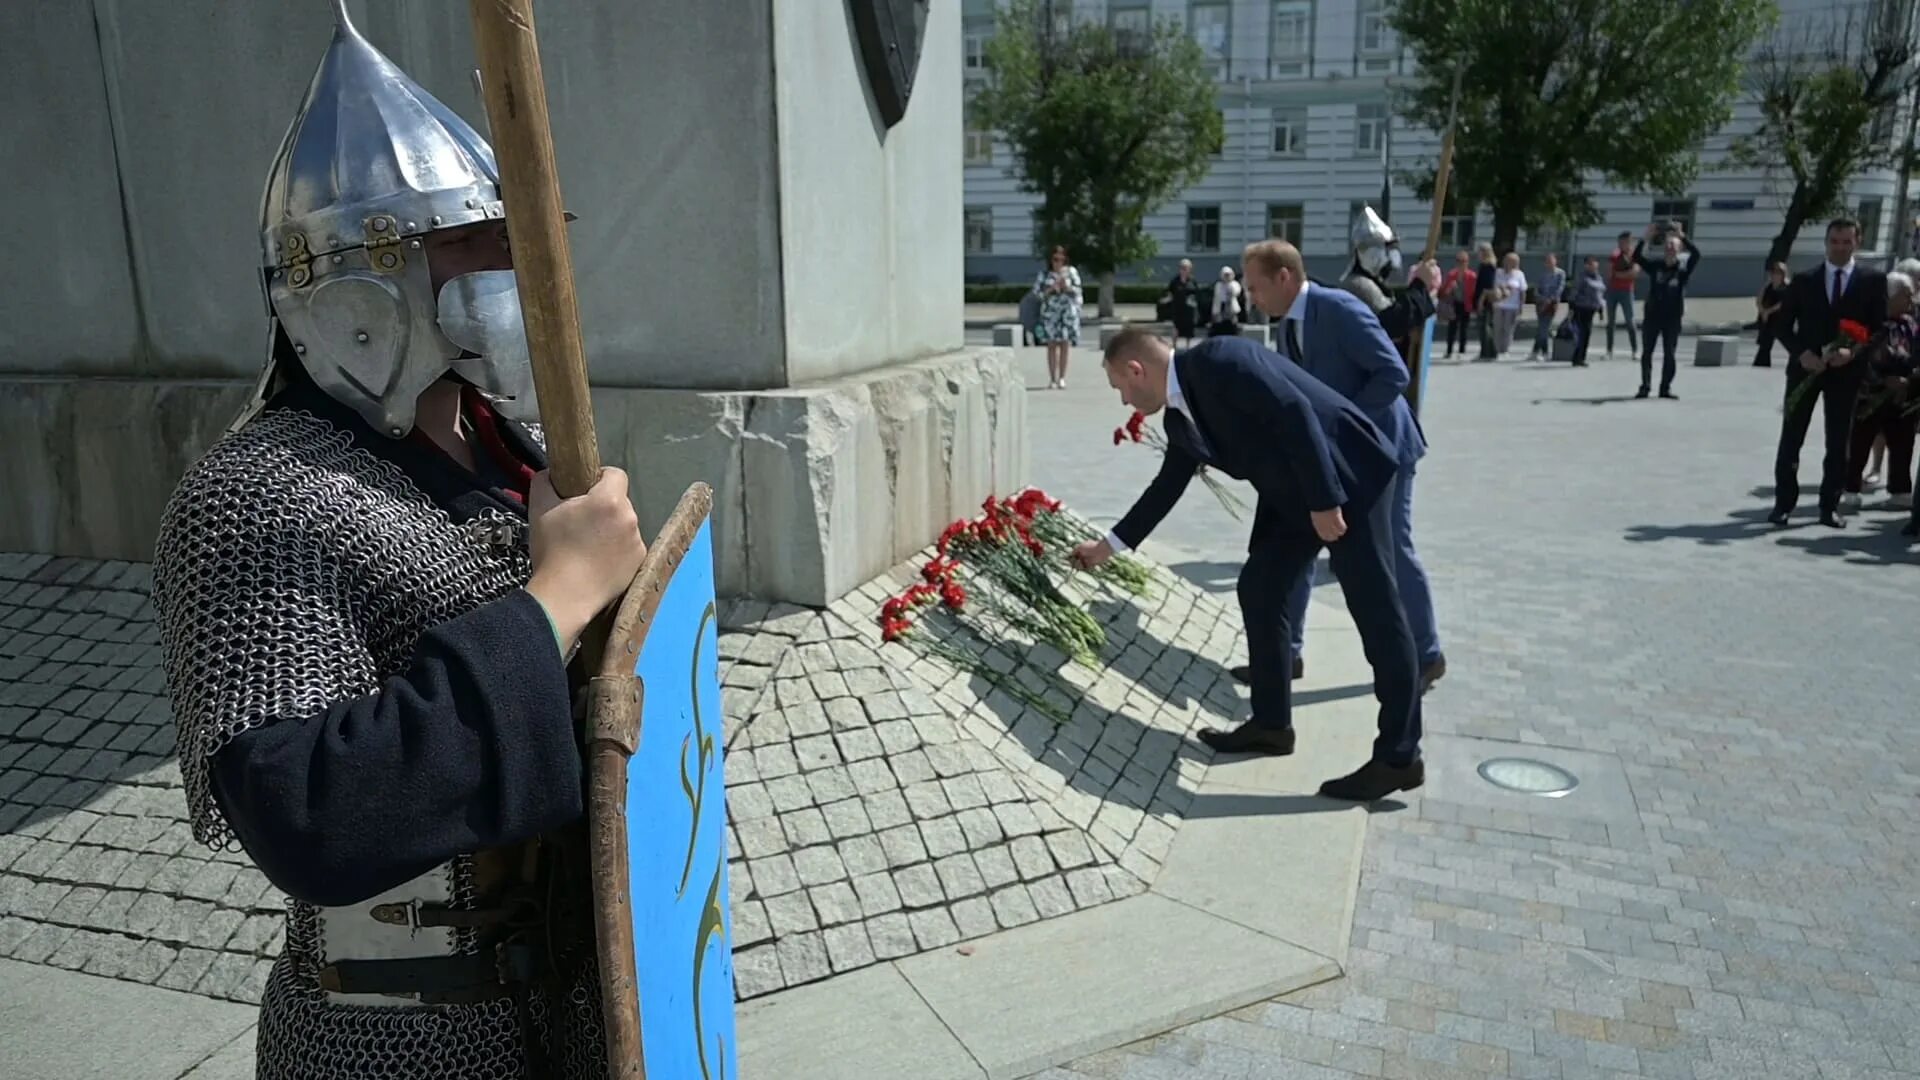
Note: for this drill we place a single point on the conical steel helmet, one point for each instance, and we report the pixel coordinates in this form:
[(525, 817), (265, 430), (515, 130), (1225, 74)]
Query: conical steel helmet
[(371, 157), (371, 165)]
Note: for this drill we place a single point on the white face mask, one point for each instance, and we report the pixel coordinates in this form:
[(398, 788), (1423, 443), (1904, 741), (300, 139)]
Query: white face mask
[(480, 312)]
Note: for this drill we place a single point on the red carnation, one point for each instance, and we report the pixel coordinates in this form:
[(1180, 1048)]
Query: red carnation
[(953, 596), (1119, 436), (1136, 425), (1854, 331)]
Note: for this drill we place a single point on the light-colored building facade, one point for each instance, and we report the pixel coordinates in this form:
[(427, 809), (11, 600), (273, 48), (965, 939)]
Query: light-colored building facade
[(1304, 90)]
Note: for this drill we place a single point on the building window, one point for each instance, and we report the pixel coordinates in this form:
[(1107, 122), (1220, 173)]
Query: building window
[(1869, 217), (1203, 228), (1286, 221), (1209, 24), (1456, 227), (1370, 129), (1881, 132), (1062, 11), (1133, 18), (1289, 132), (1290, 52), (979, 142), (974, 48), (1226, 133), (1375, 35), (979, 230), (1680, 210)]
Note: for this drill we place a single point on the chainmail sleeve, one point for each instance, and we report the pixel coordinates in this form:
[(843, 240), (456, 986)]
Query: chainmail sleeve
[(256, 619)]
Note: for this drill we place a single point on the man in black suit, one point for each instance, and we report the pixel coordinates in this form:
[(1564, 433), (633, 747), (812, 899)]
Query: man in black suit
[(1325, 475), (1809, 325)]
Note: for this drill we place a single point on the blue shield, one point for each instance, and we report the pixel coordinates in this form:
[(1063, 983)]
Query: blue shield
[(1422, 365), (677, 834)]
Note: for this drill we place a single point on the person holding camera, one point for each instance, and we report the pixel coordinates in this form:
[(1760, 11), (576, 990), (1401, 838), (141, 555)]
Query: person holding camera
[(1667, 279)]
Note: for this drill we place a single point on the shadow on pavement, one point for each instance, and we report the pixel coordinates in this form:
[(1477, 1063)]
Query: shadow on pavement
[(1251, 804), (1740, 525), (1609, 399), (1863, 542)]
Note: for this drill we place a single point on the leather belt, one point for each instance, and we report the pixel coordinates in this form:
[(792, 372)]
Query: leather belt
[(498, 972)]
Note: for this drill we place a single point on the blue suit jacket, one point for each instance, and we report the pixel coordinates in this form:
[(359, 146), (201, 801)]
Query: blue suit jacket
[(1348, 350), (1257, 416)]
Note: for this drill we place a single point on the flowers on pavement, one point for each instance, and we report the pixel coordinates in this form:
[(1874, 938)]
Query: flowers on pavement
[(996, 572)]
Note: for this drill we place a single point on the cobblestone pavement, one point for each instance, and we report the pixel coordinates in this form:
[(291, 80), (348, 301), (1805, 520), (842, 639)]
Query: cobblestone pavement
[(1605, 582), (99, 871), (881, 802)]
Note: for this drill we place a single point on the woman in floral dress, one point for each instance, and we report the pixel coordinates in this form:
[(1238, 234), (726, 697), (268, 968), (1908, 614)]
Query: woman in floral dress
[(1058, 288)]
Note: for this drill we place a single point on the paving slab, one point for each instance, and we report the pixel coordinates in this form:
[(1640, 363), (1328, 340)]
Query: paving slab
[(1025, 999), (234, 1061), (1285, 865), (63, 1025), (866, 1025), (1603, 794)]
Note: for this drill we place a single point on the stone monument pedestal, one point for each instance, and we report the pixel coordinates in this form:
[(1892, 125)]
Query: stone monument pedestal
[(769, 273), (820, 488)]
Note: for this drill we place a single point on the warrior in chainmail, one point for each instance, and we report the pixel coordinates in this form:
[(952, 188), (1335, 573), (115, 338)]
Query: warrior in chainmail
[(1376, 258), (368, 594)]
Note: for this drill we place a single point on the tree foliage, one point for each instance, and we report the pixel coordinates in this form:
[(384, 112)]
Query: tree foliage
[(1823, 91), (1555, 94), (1104, 126)]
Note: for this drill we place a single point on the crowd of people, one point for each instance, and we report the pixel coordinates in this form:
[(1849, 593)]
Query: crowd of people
[(1494, 293)]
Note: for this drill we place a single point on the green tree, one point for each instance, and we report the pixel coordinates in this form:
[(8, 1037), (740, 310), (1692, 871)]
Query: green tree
[(1827, 102), (1104, 126), (1556, 94)]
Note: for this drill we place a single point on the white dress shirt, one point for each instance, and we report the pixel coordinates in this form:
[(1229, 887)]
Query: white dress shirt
[(1826, 278), (1297, 315), (1175, 400)]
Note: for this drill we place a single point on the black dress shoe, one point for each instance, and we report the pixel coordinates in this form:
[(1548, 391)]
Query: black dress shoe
[(1249, 738), (1778, 517), (1434, 673), (1832, 519), (1644, 392), (1670, 395), (1243, 673), (1375, 780)]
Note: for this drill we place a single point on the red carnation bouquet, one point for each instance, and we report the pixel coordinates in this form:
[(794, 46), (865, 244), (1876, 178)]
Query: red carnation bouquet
[(1009, 553), (1136, 430), (1852, 336)]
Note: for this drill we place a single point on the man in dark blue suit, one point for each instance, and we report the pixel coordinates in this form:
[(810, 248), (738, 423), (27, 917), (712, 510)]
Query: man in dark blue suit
[(1325, 475), (1337, 337)]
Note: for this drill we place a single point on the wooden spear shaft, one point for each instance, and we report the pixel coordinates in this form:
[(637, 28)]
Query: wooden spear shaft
[(516, 97), (515, 92), (1444, 172)]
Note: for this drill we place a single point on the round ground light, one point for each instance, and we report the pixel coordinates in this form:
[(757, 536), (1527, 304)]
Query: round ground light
[(1528, 777)]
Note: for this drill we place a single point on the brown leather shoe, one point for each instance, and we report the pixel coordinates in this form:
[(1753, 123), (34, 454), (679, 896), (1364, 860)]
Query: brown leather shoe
[(1249, 738), (1243, 673), (1375, 780), (1433, 674)]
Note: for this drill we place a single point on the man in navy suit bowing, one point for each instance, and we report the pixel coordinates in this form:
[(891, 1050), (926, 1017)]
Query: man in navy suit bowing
[(1325, 475), (1339, 340)]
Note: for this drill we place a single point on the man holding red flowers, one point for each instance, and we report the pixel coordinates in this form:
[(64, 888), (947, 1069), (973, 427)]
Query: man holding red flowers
[(1818, 301)]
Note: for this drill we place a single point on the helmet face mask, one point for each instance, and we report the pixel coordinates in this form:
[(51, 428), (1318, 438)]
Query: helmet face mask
[(1375, 248), (373, 173)]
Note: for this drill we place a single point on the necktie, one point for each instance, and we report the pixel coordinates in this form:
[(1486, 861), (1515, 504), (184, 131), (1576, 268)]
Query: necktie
[(1293, 342), (1837, 281)]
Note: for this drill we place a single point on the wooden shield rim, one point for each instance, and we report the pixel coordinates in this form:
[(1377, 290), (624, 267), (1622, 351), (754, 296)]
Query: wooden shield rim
[(614, 702)]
